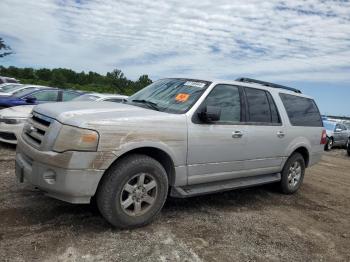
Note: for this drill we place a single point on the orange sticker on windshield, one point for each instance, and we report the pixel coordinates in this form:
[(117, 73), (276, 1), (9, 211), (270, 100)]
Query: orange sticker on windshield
[(182, 97)]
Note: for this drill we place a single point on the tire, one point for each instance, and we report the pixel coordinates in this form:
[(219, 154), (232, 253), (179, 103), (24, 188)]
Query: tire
[(329, 144), (290, 180), (124, 200), (348, 149)]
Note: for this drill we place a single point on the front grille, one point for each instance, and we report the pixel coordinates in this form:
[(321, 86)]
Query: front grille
[(42, 120), (8, 136), (36, 128)]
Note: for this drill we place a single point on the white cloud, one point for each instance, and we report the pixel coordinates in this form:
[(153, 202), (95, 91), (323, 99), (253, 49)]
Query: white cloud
[(275, 40)]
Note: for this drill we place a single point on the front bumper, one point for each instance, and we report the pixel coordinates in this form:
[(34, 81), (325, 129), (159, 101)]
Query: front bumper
[(66, 176), (10, 133)]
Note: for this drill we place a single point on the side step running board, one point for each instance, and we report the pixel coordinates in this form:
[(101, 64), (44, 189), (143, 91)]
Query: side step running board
[(206, 188)]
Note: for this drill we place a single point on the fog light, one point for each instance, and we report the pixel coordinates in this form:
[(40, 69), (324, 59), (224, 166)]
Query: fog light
[(50, 177)]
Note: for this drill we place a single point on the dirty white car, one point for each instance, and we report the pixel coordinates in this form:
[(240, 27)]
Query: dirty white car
[(8, 86), (12, 89), (12, 119), (179, 136)]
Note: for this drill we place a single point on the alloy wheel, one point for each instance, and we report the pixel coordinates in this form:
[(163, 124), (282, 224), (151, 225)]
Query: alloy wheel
[(294, 174), (139, 194)]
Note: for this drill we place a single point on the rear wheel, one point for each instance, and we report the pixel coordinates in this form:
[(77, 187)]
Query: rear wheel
[(292, 174), (133, 192), (329, 144)]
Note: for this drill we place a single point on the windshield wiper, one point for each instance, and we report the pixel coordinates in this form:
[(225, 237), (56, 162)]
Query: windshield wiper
[(146, 102)]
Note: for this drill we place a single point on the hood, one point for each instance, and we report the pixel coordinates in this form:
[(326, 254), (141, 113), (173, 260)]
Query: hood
[(83, 113), (17, 111)]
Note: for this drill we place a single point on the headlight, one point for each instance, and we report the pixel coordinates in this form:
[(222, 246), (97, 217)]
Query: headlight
[(12, 121), (76, 139)]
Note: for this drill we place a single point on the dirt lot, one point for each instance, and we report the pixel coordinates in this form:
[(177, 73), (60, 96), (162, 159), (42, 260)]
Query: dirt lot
[(249, 225)]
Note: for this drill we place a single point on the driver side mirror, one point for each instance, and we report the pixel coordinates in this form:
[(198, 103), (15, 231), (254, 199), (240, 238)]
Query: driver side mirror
[(210, 114), (30, 100)]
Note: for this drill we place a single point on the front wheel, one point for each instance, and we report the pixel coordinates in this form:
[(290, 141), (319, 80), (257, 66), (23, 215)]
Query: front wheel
[(133, 191), (292, 174)]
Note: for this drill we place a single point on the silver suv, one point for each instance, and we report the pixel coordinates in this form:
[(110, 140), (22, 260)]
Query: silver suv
[(181, 137)]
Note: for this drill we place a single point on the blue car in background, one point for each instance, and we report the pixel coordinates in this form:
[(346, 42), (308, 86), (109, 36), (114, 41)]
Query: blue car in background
[(38, 95)]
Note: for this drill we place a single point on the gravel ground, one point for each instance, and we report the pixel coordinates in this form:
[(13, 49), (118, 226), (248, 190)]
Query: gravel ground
[(255, 224)]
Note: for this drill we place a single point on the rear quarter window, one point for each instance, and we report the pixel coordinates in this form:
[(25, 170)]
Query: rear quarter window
[(301, 111)]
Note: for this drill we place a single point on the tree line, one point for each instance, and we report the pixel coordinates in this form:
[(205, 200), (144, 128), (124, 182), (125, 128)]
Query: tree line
[(112, 82), (6, 50)]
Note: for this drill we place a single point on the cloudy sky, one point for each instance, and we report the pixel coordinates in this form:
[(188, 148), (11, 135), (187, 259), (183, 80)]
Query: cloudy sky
[(301, 43)]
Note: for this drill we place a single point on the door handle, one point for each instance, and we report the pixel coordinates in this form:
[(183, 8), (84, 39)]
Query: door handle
[(237, 134), (280, 134)]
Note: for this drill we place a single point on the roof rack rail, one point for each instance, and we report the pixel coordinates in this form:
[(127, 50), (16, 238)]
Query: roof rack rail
[(249, 80)]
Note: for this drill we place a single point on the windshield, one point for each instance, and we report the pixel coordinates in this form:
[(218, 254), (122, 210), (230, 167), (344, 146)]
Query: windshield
[(9, 88), (170, 95), (329, 125), (347, 125), (24, 92), (86, 97)]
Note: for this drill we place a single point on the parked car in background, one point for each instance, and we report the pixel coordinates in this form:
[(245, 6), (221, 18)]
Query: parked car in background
[(101, 97), (12, 89), (191, 137), (6, 86), (337, 135), (12, 119), (4, 79), (38, 95)]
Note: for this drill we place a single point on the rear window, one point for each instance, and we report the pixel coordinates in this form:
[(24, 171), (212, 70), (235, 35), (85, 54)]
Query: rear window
[(301, 111), (68, 96)]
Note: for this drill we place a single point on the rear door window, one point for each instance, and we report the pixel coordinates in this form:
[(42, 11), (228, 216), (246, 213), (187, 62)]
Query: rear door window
[(301, 111), (275, 117), (261, 107)]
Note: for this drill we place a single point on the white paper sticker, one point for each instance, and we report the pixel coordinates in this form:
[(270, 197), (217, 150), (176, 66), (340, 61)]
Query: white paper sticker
[(196, 84)]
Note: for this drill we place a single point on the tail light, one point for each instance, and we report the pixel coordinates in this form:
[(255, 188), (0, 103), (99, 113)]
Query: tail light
[(324, 137)]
